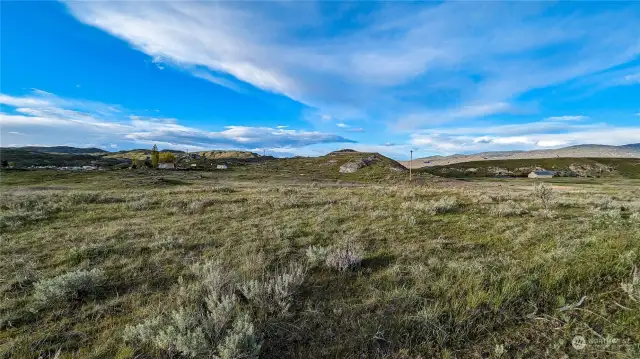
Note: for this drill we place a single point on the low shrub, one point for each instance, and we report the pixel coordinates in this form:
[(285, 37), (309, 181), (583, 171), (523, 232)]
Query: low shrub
[(317, 254), (141, 204), (543, 193), (444, 205), (207, 321), (345, 257), (198, 207), (210, 320), (273, 295), (632, 288), (604, 203), (545, 213), (506, 209), (610, 215), (69, 286)]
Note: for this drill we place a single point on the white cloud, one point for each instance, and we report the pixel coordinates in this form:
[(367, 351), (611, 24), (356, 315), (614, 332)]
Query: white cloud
[(632, 78), (22, 101), (485, 55), (219, 80), (342, 125), (56, 120), (530, 136), (567, 118)]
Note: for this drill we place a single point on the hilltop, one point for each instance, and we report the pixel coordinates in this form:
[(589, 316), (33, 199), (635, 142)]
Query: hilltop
[(578, 151), (214, 154), (343, 164)]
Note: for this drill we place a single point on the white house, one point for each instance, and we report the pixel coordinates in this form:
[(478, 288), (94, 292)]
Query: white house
[(541, 174), (221, 167), (166, 166)]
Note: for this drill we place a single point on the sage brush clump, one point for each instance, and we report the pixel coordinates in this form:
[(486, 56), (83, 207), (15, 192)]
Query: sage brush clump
[(207, 321), (273, 295), (632, 288), (210, 320), (346, 257), (443, 205), (543, 193), (604, 203), (317, 254), (69, 286), (507, 209)]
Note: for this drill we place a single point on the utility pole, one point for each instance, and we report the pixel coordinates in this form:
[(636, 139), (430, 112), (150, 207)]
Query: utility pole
[(410, 164)]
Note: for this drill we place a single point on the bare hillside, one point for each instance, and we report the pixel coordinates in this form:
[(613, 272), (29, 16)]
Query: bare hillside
[(580, 151)]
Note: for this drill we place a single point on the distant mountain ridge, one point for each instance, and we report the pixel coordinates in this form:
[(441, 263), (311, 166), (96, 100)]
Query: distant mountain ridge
[(577, 151), (60, 149), (73, 156)]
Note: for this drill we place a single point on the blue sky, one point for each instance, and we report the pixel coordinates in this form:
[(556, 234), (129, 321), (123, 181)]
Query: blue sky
[(305, 78)]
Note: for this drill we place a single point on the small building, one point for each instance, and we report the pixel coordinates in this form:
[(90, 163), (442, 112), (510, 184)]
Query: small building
[(221, 167), (541, 174), (166, 166)]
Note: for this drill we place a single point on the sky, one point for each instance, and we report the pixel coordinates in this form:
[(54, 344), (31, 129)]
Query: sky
[(305, 78)]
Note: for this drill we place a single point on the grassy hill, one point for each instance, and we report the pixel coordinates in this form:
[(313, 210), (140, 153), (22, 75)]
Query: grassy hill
[(581, 167), (327, 167), (220, 154)]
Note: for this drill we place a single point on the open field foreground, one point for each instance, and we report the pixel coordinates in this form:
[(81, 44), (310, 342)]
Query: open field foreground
[(126, 264)]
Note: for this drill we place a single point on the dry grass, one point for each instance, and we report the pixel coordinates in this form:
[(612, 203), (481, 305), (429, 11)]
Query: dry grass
[(198, 267)]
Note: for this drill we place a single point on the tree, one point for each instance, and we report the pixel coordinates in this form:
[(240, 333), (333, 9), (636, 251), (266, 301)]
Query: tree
[(155, 156), (5, 163), (167, 157)]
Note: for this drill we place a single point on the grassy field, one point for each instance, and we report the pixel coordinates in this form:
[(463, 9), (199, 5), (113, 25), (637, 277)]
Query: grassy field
[(126, 264)]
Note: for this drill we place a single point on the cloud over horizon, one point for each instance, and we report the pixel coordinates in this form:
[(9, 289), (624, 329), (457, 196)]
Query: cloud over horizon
[(54, 120)]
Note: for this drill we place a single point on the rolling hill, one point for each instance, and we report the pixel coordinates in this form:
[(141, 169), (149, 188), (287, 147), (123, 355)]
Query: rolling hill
[(346, 165), (578, 151), (74, 156)]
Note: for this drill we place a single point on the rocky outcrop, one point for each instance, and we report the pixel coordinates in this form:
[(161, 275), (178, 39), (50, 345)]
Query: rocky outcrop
[(353, 166), (595, 170)]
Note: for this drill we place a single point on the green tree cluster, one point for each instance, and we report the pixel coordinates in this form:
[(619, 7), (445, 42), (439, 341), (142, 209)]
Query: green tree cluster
[(167, 157)]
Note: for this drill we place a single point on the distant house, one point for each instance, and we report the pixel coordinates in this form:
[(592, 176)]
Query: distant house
[(541, 174), (221, 167), (166, 166)]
